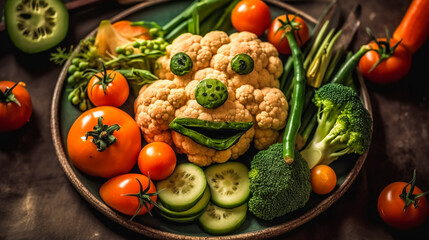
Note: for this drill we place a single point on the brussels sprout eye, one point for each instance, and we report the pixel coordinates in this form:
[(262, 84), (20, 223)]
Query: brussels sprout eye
[(242, 64), (211, 93), (181, 64)]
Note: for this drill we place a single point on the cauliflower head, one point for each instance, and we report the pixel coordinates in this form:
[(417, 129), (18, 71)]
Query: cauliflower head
[(252, 96)]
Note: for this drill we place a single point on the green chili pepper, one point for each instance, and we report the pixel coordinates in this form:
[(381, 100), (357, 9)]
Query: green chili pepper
[(242, 64), (181, 64), (211, 93), (216, 135)]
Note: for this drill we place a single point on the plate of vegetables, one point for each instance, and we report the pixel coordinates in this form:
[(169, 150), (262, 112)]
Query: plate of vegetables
[(178, 120)]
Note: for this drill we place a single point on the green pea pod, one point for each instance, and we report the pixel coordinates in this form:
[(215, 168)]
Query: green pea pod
[(216, 135)]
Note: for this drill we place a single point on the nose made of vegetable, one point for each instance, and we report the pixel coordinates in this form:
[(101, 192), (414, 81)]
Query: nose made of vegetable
[(211, 93)]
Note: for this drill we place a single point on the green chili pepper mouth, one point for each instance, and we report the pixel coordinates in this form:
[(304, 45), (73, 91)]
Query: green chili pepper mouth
[(212, 134)]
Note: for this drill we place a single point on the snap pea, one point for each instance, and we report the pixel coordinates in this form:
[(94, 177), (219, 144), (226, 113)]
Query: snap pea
[(228, 133)]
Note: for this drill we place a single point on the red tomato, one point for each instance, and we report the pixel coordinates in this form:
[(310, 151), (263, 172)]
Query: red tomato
[(323, 179), (108, 88), (391, 69), (391, 207), (15, 106), (114, 193), (252, 16), (157, 160), (274, 35), (117, 158), (125, 28)]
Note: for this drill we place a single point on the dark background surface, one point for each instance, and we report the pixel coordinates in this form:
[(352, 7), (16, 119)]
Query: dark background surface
[(38, 202)]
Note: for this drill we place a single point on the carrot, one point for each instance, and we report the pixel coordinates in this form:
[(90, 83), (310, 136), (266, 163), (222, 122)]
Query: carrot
[(129, 31), (414, 27)]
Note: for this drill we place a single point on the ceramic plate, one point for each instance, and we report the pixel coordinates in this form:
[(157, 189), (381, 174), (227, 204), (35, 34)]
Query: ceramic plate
[(63, 115)]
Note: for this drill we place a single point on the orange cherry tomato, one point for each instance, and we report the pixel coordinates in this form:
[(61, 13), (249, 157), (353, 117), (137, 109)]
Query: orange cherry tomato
[(109, 88), (15, 106), (119, 155), (390, 207), (252, 16), (391, 69), (127, 30), (157, 160), (116, 193), (323, 179), (274, 35)]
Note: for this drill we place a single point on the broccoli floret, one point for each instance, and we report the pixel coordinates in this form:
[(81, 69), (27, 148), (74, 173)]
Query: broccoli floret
[(277, 188), (344, 125)]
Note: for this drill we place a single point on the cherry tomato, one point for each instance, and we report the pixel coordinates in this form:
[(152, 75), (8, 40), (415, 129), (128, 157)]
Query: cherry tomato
[(116, 193), (391, 69), (157, 160), (274, 35), (391, 205), (15, 106), (117, 149), (108, 88), (252, 16), (129, 31), (323, 179)]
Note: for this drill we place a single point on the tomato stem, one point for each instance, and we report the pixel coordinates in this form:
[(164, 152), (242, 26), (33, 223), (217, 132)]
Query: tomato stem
[(409, 197), (7, 96), (103, 135), (144, 197)]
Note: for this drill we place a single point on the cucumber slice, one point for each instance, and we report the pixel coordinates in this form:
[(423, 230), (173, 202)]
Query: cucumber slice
[(194, 210), (183, 188), (182, 219), (229, 184), (219, 221)]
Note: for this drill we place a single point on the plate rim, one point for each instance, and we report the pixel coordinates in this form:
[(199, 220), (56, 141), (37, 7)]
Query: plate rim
[(160, 234)]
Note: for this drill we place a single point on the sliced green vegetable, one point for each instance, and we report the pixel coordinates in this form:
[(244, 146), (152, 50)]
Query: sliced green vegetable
[(194, 211), (181, 64), (229, 183), (216, 135), (36, 25), (242, 64), (211, 93), (183, 188), (219, 221)]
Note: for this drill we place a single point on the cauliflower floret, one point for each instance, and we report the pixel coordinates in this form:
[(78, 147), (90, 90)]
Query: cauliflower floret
[(253, 97)]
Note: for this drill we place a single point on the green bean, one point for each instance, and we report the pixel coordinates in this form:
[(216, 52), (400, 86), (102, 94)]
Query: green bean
[(347, 68)]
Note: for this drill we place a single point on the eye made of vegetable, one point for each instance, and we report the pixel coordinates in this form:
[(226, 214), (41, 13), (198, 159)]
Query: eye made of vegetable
[(181, 64), (242, 64), (211, 93)]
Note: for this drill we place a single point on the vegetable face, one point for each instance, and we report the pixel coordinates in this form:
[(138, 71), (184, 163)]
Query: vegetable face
[(131, 194), (98, 137), (252, 16), (211, 93), (157, 160), (403, 205), (108, 88), (33, 29), (15, 106), (387, 63), (276, 33)]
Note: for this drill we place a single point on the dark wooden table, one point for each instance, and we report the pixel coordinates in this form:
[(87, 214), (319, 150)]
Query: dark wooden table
[(38, 202)]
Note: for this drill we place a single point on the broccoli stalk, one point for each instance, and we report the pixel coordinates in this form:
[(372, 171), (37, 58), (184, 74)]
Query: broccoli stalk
[(344, 125)]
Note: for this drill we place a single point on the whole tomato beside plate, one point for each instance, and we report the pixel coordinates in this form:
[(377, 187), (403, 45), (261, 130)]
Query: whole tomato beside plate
[(15, 106)]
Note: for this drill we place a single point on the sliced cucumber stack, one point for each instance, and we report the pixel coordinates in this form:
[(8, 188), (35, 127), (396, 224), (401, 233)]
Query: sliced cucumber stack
[(219, 221), (194, 212), (229, 184), (183, 188)]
